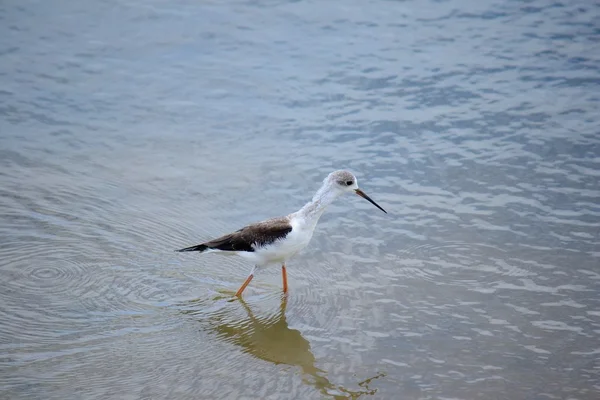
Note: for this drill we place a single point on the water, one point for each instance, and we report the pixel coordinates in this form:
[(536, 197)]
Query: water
[(129, 129)]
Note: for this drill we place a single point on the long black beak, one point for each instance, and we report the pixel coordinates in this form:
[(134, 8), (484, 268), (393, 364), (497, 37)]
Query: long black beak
[(364, 196)]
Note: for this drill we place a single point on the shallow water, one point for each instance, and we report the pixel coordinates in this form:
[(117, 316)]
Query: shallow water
[(129, 129)]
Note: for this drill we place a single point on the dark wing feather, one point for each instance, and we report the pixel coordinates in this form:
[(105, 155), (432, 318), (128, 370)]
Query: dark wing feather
[(266, 232), (231, 242), (255, 235)]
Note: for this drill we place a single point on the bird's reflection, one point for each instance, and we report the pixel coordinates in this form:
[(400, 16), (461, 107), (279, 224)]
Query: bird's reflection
[(271, 339)]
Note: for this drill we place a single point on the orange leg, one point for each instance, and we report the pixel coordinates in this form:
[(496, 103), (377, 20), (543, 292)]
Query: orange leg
[(246, 282), (284, 275)]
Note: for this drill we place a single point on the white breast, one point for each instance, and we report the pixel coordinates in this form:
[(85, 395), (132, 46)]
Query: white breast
[(281, 250)]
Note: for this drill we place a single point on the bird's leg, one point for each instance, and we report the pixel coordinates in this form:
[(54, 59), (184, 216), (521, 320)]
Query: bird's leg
[(246, 282), (284, 275)]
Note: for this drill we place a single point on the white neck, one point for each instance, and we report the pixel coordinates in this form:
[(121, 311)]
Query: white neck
[(312, 211)]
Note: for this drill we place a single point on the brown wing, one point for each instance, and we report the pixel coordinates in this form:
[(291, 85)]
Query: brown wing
[(266, 232), (255, 235)]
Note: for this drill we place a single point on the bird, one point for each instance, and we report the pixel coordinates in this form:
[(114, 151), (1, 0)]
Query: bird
[(276, 240)]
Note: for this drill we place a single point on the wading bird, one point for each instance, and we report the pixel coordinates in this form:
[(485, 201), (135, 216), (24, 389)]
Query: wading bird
[(276, 240)]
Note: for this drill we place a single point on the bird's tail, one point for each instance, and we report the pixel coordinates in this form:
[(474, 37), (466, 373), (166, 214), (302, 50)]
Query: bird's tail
[(200, 248)]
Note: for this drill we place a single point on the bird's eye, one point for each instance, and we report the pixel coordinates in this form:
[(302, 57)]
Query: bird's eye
[(348, 183)]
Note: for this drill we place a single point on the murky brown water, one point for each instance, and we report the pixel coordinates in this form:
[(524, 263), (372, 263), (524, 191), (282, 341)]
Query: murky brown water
[(129, 129)]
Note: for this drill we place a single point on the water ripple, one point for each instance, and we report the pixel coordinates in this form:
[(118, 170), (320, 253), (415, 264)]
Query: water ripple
[(478, 132)]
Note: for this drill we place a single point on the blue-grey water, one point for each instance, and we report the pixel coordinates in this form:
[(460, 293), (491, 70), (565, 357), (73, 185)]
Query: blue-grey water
[(130, 128)]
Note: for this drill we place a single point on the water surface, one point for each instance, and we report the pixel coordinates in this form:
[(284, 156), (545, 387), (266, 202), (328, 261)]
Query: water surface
[(129, 129)]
